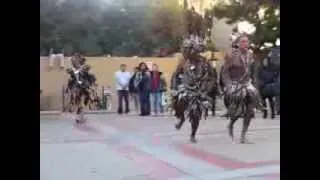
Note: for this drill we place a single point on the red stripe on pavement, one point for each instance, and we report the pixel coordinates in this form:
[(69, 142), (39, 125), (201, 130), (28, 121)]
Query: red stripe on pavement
[(262, 163), (219, 160), (156, 169), (210, 158), (160, 168)]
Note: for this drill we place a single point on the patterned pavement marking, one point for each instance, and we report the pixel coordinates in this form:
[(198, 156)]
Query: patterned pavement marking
[(166, 160), (164, 156)]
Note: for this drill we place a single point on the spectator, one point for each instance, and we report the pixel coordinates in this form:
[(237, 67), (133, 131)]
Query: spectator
[(133, 91), (142, 84), (267, 79), (158, 86), (122, 86), (278, 95), (56, 55)]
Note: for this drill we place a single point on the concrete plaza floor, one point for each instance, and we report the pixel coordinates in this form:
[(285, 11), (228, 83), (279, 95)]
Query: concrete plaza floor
[(129, 147)]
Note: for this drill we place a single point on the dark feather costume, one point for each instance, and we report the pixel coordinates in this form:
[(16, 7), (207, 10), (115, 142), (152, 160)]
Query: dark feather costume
[(80, 85), (190, 97)]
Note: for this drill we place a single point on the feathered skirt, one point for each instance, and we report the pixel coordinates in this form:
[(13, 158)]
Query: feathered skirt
[(191, 102), (241, 100)]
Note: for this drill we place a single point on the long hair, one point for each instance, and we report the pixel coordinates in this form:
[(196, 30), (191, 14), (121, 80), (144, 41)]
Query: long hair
[(143, 63)]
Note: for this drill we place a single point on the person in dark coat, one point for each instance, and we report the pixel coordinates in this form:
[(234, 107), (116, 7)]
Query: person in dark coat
[(278, 95), (142, 84), (274, 56), (267, 79), (133, 90), (214, 92)]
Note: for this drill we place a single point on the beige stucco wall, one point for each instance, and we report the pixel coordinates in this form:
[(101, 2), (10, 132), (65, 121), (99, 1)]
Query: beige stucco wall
[(52, 81)]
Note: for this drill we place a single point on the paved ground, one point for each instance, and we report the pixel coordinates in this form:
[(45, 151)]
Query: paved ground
[(127, 147)]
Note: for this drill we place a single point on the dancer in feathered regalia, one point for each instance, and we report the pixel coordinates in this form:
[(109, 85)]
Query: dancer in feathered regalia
[(194, 77), (238, 78), (81, 85), (197, 79)]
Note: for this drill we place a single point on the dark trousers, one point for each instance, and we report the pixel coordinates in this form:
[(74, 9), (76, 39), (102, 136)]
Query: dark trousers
[(271, 104), (144, 103), (226, 102), (213, 108), (123, 95), (213, 95), (278, 104)]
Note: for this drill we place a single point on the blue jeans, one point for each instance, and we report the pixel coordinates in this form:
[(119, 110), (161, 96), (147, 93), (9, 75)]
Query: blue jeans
[(144, 103), (156, 101), (278, 104)]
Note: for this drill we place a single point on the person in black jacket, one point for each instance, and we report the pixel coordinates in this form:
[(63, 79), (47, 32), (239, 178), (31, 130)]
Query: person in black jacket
[(267, 79), (278, 94), (133, 90), (142, 84), (214, 92)]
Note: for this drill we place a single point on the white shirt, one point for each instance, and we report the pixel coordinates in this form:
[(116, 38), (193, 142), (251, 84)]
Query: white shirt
[(122, 80)]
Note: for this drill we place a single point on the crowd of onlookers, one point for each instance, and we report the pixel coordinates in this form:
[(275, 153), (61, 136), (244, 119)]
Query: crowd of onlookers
[(144, 86), (147, 88)]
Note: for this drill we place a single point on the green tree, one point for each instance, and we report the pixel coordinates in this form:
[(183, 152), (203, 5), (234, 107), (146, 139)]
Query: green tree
[(267, 25), (167, 24), (120, 28)]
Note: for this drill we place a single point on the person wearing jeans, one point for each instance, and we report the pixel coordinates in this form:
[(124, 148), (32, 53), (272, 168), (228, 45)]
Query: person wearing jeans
[(122, 85), (157, 87), (142, 84)]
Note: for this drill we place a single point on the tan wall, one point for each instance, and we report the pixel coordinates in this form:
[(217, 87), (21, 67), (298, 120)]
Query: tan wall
[(51, 81)]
